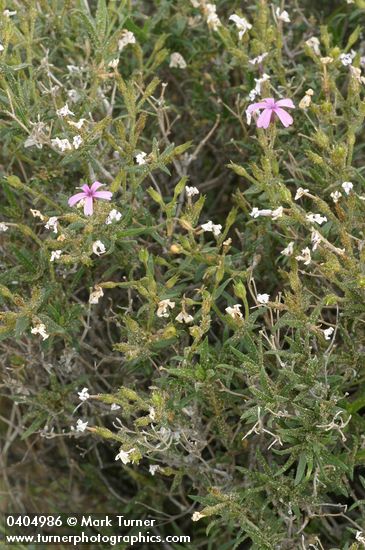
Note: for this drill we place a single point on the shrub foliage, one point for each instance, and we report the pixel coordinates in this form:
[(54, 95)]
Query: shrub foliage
[(220, 334)]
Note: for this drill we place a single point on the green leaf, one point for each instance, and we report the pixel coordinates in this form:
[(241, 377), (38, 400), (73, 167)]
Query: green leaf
[(156, 196), (101, 19), (354, 36), (180, 187), (134, 231), (37, 423), (87, 24), (300, 469), (21, 325)]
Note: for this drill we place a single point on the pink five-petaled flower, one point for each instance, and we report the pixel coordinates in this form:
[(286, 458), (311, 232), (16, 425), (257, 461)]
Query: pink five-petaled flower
[(270, 109), (88, 195)]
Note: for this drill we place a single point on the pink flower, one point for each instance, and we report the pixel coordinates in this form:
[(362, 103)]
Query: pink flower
[(271, 107), (88, 195)]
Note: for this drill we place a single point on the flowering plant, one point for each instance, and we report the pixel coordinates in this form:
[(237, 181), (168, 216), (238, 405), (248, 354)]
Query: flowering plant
[(190, 331)]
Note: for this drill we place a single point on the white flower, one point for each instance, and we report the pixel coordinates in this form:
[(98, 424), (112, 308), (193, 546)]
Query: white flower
[(124, 456), (259, 59), (191, 191), (127, 38), (113, 64), (359, 534), (38, 135), (152, 414), (96, 294), (83, 394), (288, 251), (114, 215), (153, 469), (62, 144), (3, 227), (214, 228), (77, 124), (356, 73), (37, 214), (64, 111), (313, 43), (55, 255), (73, 69), (282, 16), (114, 407), (41, 330), (163, 307), (316, 238), (234, 311), (177, 61), (241, 23), (80, 425), (265, 77), (76, 142), (197, 516), (277, 213), (263, 298), (52, 224), (347, 186), (140, 158), (300, 192), (8, 13), (336, 195), (316, 218), (328, 333), (266, 212), (256, 91), (255, 212), (74, 96), (99, 248), (305, 257), (305, 102), (346, 58), (248, 116), (1, 47), (210, 11), (184, 317)]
